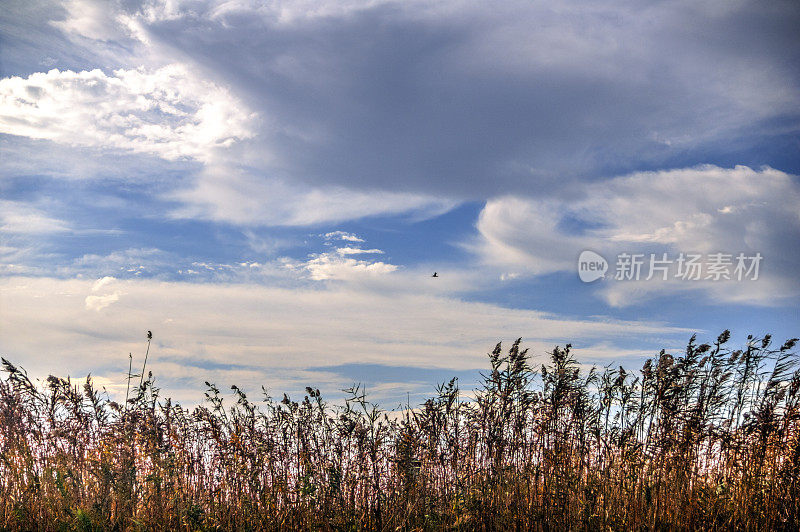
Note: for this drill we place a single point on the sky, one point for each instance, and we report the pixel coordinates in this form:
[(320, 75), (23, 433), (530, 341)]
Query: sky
[(268, 186)]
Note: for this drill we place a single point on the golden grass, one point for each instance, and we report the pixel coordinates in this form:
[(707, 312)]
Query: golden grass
[(709, 439)]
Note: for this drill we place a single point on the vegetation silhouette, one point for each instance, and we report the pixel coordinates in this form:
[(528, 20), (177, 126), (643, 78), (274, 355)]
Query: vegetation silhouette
[(705, 439)]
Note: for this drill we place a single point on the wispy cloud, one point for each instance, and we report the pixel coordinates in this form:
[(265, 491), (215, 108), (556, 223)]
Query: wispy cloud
[(234, 195), (24, 218), (357, 251), (269, 329)]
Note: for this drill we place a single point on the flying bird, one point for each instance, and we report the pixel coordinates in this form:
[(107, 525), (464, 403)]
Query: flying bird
[(435, 274)]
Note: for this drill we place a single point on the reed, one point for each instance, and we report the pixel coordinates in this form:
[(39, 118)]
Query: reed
[(705, 439)]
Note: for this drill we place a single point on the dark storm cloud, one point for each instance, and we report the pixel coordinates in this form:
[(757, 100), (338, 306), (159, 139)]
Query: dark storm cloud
[(471, 101)]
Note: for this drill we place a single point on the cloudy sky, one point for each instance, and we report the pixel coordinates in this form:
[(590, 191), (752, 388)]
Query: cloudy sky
[(268, 186)]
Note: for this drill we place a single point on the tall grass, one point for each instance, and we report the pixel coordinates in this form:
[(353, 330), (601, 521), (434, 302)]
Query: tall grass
[(707, 439)]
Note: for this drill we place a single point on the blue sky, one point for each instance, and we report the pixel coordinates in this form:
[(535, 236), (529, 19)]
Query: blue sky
[(268, 186)]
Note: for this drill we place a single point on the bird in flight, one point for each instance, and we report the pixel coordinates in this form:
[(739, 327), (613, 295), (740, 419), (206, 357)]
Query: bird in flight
[(435, 274)]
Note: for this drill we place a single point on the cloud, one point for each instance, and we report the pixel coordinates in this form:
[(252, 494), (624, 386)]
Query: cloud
[(234, 195), (305, 114), (25, 158), (357, 251), (100, 283), (165, 112), (446, 99), (693, 210), (98, 303), (248, 334), (25, 219), (342, 235), (127, 262), (329, 266), (281, 115), (467, 101), (93, 20)]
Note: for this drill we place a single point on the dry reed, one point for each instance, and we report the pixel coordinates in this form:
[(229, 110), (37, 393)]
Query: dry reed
[(708, 439)]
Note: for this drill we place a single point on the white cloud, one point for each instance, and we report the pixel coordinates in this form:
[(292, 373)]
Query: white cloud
[(132, 261), (98, 303), (269, 331), (704, 210), (342, 235), (100, 283), (24, 218), (166, 112), (357, 251), (328, 266), (229, 194), (92, 20)]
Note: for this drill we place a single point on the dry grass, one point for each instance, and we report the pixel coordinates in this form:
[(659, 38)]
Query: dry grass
[(708, 439)]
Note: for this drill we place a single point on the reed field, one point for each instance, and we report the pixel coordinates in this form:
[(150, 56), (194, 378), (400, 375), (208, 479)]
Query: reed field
[(708, 438)]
